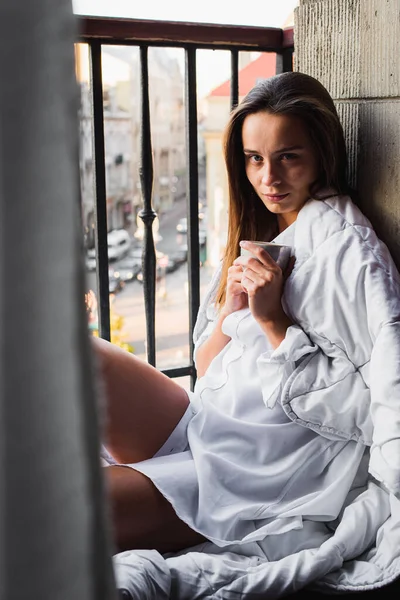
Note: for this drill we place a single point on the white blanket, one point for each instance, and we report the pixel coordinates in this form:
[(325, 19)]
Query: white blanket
[(339, 374)]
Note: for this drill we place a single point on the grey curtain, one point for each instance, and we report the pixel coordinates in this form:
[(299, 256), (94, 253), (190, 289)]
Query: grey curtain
[(54, 542)]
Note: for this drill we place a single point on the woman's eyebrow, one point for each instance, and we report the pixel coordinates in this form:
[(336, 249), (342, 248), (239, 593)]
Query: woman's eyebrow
[(285, 149), (288, 149)]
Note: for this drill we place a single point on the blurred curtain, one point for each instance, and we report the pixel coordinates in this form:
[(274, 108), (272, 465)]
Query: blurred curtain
[(53, 533)]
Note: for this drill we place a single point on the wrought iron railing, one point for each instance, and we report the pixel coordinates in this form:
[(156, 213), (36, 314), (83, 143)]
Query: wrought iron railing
[(190, 37)]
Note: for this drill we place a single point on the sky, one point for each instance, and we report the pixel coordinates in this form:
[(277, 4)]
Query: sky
[(268, 13), (212, 67)]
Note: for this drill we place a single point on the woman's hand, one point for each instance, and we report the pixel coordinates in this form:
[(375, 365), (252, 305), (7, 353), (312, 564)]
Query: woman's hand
[(236, 297), (263, 280)]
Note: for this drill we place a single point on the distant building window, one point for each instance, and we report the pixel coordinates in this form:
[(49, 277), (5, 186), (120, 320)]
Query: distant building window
[(106, 99), (119, 159)]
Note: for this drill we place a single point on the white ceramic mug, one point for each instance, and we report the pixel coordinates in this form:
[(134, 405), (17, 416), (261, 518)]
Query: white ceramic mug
[(280, 254)]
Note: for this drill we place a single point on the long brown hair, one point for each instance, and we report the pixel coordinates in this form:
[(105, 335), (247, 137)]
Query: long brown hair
[(294, 94)]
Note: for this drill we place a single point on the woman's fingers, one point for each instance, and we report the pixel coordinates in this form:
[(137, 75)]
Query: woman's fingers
[(251, 281), (253, 269), (235, 273), (256, 264), (259, 253), (236, 298), (234, 282), (264, 262)]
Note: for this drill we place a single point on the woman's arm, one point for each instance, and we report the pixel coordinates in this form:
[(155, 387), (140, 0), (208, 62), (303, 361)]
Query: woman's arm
[(276, 329), (211, 347), (236, 299)]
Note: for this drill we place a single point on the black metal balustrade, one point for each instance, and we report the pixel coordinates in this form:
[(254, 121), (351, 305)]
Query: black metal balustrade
[(189, 36)]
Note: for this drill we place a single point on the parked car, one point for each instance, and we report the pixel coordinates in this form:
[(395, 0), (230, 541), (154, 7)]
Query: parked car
[(162, 262), (177, 258), (127, 268), (90, 263), (115, 283), (159, 274), (203, 213), (135, 254), (182, 225), (182, 228), (118, 244)]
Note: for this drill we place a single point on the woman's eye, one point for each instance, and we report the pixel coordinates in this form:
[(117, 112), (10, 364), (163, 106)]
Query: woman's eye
[(288, 156), (255, 158)]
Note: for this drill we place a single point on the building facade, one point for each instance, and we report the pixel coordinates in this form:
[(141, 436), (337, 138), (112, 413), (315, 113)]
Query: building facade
[(122, 125)]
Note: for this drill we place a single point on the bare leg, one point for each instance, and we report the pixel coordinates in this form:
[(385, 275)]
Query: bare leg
[(143, 404), (142, 517), (143, 408)]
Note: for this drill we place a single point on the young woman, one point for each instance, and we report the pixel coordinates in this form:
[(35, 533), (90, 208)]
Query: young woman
[(276, 437)]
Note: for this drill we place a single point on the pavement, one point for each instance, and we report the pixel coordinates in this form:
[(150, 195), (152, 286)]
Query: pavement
[(172, 309), (172, 316)]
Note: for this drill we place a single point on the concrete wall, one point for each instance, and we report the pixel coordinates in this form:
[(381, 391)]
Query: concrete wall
[(353, 47)]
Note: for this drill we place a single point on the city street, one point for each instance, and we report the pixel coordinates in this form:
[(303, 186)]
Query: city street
[(172, 316), (171, 239), (172, 313)]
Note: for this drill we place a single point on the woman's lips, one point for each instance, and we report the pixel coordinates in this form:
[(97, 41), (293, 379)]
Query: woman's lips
[(276, 197)]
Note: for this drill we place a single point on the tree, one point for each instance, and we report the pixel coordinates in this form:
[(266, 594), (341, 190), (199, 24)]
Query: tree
[(118, 335)]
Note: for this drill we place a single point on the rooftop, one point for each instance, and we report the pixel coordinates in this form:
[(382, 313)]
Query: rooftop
[(262, 67)]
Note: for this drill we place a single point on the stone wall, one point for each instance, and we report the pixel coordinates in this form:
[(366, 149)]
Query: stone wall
[(353, 47)]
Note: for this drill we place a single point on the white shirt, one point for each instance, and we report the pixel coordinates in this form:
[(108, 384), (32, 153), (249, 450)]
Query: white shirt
[(250, 471)]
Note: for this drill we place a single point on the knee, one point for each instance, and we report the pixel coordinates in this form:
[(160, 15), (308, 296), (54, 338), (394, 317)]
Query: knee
[(102, 351), (119, 496), (99, 345), (134, 507)]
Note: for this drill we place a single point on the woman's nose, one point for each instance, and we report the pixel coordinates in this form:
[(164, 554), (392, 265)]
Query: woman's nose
[(270, 174)]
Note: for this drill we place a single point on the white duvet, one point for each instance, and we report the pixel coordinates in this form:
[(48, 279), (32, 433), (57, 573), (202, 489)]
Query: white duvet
[(339, 374)]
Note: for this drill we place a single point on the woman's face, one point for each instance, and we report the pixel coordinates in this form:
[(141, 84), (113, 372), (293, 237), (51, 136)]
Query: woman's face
[(280, 163)]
